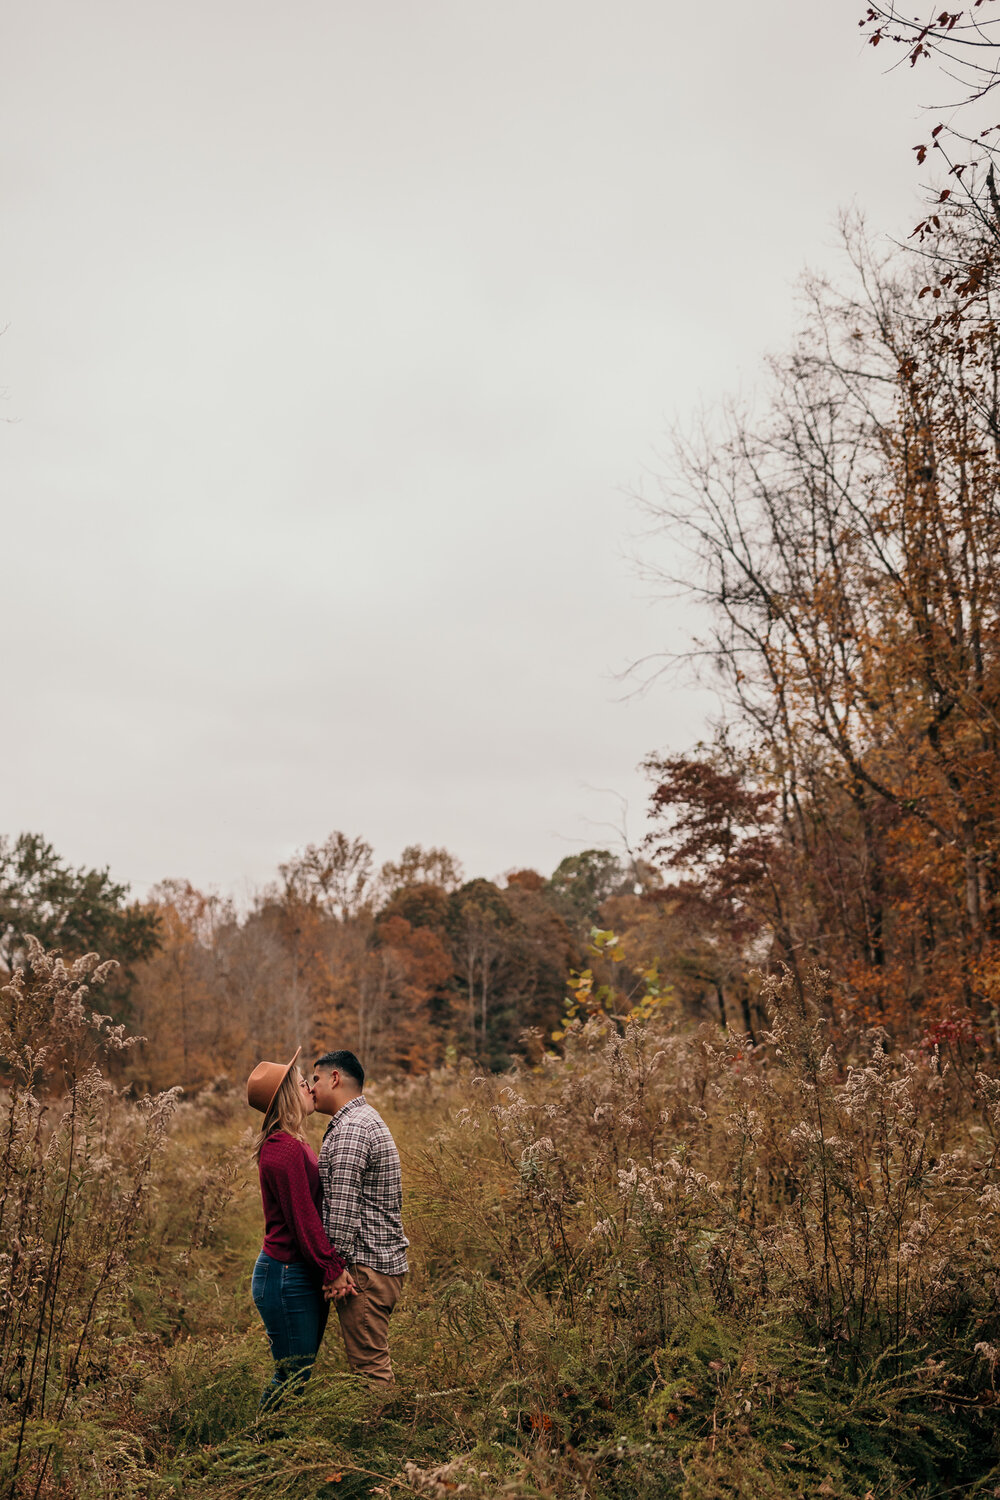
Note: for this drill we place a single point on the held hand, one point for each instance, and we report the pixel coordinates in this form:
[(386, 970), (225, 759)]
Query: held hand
[(344, 1286)]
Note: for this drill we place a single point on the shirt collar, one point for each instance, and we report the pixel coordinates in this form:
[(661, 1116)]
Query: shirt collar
[(354, 1103)]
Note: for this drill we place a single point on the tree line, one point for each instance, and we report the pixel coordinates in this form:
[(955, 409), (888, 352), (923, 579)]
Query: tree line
[(407, 963)]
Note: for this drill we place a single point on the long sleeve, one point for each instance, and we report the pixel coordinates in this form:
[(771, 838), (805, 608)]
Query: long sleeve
[(363, 1189), (341, 1166), (283, 1171)]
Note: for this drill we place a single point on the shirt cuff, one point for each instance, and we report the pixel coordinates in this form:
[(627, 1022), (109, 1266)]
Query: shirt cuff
[(331, 1273)]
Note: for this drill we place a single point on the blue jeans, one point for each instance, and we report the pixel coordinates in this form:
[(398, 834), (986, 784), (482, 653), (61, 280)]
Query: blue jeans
[(290, 1301)]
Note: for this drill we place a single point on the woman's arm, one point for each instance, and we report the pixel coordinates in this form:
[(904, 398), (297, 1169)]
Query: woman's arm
[(286, 1167)]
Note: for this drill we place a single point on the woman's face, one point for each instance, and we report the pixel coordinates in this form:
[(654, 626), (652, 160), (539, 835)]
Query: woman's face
[(305, 1094)]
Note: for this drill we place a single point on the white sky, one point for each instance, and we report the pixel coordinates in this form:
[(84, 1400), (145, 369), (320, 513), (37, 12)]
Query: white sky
[(337, 336)]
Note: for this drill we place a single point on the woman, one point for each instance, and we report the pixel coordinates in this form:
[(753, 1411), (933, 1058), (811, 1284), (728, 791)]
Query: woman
[(297, 1260)]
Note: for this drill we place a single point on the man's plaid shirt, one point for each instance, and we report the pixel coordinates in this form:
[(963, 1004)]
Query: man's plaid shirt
[(363, 1189)]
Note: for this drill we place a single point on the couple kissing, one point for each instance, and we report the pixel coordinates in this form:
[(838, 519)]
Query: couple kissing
[(333, 1228)]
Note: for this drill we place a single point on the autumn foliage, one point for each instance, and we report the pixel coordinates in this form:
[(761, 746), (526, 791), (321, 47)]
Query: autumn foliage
[(408, 964), (847, 540)]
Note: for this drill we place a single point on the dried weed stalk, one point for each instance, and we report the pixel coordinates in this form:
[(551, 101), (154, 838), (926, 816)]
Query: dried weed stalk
[(75, 1168)]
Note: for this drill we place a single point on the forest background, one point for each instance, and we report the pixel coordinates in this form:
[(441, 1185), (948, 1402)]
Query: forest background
[(703, 1139)]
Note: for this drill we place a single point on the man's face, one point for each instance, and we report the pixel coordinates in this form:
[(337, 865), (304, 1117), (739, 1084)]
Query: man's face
[(324, 1086)]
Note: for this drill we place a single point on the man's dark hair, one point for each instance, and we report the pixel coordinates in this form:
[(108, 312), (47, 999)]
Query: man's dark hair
[(344, 1062)]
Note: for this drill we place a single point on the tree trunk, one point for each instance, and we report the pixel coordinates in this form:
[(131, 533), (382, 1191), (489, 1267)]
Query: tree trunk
[(722, 1004)]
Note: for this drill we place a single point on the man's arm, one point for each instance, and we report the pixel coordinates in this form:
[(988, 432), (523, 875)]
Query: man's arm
[(341, 1168)]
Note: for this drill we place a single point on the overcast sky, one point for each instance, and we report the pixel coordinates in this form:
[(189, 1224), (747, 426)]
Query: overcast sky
[(337, 336)]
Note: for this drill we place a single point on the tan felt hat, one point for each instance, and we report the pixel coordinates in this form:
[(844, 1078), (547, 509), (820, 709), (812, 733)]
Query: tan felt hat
[(265, 1081)]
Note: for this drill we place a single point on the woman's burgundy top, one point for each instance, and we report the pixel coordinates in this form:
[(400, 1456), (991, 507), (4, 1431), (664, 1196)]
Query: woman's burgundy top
[(291, 1193)]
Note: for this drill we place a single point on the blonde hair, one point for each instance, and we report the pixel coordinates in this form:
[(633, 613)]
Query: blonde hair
[(285, 1112)]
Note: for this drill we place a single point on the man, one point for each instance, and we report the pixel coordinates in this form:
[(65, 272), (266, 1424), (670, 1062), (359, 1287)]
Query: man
[(362, 1209)]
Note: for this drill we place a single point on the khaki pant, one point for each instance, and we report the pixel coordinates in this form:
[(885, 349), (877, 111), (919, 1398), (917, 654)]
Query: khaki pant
[(364, 1322)]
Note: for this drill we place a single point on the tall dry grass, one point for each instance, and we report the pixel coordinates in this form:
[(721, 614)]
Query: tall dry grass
[(81, 1229), (663, 1263), (781, 1261)]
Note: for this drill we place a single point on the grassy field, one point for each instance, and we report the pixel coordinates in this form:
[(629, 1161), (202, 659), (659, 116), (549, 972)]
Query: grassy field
[(665, 1263)]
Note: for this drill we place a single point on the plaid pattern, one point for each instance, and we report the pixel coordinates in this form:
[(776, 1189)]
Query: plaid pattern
[(363, 1189)]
